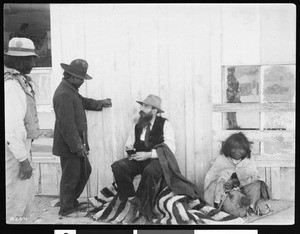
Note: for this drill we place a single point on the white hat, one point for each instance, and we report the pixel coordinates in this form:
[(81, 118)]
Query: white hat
[(18, 46)]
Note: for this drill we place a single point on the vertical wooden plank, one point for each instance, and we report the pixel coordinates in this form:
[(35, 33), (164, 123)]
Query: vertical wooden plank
[(268, 178), (48, 179), (56, 45), (262, 173), (73, 43), (71, 24), (241, 34), (287, 179), (176, 82), (134, 66), (58, 177), (216, 127), (278, 33), (202, 91), (98, 39), (149, 50), (94, 119), (163, 59), (216, 76), (188, 46), (275, 182), (216, 54), (37, 177)]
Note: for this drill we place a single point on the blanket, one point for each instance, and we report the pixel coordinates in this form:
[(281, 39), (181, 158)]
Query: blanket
[(224, 167), (172, 175), (170, 209)]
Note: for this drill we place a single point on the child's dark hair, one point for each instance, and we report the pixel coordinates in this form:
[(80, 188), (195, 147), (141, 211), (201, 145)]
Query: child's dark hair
[(232, 140)]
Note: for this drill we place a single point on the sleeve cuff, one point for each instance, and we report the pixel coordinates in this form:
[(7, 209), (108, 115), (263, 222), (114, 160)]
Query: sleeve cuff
[(78, 149), (154, 154)]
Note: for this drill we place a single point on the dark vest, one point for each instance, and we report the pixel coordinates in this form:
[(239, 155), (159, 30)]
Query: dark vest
[(156, 135)]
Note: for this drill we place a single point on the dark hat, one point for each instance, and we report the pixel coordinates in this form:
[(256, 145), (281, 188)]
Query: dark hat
[(154, 101), (78, 68)]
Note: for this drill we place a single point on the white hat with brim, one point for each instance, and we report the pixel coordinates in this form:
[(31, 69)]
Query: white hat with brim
[(154, 101), (21, 47)]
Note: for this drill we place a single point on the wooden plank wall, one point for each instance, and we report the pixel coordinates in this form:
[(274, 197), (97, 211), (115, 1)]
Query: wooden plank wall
[(176, 52), (135, 50)]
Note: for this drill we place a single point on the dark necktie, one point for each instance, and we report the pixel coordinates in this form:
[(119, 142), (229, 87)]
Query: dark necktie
[(147, 134)]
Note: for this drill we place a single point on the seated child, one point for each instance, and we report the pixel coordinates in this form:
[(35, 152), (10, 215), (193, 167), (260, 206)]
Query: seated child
[(235, 168)]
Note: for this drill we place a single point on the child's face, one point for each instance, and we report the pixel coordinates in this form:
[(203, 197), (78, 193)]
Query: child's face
[(237, 152)]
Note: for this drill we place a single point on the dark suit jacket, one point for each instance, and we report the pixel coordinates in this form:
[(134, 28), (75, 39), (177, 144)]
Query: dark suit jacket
[(70, 129)]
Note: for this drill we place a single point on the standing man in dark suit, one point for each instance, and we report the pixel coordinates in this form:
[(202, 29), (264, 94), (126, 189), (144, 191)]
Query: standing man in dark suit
[(70, 133)]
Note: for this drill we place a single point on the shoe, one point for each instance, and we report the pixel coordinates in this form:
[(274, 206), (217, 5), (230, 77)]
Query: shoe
[(68, 211), (81, 205)]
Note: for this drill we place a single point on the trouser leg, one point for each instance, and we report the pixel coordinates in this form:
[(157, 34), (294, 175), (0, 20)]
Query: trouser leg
[(124, 171), (19, 193), (86, 170), (71, 174), (147, 187)]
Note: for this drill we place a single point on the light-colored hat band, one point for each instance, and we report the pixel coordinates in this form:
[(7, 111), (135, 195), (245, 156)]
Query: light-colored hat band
[(20, 49)]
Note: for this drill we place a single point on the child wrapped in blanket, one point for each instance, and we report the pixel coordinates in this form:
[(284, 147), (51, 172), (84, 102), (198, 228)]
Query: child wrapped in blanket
[(235, 170)]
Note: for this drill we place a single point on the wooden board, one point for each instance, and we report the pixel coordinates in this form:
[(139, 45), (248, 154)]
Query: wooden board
[(276, 31), (49, 182), (270, 107), (240, 34), (258, 135)]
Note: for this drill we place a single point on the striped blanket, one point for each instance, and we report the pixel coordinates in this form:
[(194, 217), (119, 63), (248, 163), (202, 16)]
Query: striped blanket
[(169, 209)]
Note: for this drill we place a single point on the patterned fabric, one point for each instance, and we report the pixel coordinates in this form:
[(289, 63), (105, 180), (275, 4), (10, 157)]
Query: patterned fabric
[(169, 209), (106, 195)]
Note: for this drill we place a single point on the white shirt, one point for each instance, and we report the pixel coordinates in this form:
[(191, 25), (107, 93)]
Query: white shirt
[(169, 137), (15, 110)]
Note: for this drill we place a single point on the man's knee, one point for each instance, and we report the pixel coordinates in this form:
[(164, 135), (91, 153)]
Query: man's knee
[(153, 170), (118, 166)]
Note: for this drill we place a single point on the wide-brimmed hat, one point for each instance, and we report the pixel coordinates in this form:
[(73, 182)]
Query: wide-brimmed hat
[(154, 101), (21, 46), (78, 68)]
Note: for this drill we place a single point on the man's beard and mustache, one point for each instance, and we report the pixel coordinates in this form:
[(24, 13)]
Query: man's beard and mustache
[(145, 118)]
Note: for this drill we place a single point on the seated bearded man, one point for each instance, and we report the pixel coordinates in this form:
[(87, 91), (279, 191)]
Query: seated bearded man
[(154, 144)]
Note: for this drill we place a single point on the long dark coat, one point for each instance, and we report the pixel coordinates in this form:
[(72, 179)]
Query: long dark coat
[(70, 131)]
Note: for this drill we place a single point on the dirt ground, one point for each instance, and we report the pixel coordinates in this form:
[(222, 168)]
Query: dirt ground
[(44, 213)]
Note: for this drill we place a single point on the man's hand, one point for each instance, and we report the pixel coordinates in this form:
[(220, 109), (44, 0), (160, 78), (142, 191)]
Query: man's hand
[(25, 171), (141, 156), (106, 102), (82, 153)]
